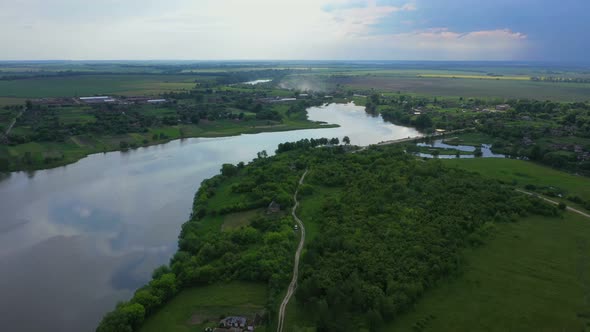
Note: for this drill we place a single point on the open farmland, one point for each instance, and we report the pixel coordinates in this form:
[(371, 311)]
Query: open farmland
[(71, 86), (468, 87)]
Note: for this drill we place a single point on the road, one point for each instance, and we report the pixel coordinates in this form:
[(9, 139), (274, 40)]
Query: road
[(555, 203), (293, 284), (411, 139)]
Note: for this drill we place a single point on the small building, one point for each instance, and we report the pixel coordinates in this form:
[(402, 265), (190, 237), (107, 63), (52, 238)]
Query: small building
[(97, 99), (156, 101), (273, 207), (233, 321), (503, 107)]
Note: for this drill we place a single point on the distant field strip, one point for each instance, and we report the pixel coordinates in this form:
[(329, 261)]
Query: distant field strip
[(481, 77)]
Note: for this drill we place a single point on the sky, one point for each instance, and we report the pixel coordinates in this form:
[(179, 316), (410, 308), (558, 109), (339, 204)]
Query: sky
[(538, 30)]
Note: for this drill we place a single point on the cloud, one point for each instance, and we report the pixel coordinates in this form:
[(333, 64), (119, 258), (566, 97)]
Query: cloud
[(359, 18), (444, 44), (237, 29)]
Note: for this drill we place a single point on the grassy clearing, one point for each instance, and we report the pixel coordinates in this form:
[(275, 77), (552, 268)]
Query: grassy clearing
[(472, 139), (523, 172), (237, 220), (532, 276), (197, 308)]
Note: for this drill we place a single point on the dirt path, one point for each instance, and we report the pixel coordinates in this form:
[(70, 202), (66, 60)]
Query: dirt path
[(293, 284), (14, 122), (555, 203)]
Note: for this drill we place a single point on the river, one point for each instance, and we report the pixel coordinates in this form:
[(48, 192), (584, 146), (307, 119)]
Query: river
[(76, 239)]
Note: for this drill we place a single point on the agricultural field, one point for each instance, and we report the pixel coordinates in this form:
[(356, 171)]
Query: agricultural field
[(476, 77), (467, 87), (89, 85), (532, 275), (194, 309)]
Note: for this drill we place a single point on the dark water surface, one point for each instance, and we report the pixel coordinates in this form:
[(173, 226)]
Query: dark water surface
[(74, 240), (486, 150)]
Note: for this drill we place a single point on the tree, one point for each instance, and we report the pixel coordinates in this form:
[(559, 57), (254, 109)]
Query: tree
[(127, 317), (229, 170), (562, 206), (423, 121), (164, 287), (346, 140), (262, 154), (478, 152), (149, 301)]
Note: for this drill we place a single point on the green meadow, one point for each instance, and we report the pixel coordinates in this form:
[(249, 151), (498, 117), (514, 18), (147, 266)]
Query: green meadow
[(194, 309), (532, 275), (524, 173)]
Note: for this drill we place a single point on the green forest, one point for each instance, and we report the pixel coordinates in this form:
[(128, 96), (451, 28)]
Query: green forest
[(387, 228)]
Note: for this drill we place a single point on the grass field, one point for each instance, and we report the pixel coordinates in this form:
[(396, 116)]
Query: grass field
[(194, 309), (524, 172), (533, 275), (89, 85), (239, 219), (472, 139)]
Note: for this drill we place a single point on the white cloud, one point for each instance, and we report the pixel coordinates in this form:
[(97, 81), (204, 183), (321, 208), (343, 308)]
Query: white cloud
[(229, 29)]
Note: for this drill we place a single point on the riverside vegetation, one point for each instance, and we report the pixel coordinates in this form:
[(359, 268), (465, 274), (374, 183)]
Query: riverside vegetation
[(387, 227)]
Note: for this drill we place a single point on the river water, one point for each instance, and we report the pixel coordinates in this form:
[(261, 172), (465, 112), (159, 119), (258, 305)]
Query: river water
[(74, 240)]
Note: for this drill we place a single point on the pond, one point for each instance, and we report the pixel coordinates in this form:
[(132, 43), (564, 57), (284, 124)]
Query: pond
[(74, 240), (486, 150)]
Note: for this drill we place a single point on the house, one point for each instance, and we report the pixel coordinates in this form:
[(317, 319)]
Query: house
[(156, 101), (273, 207), (233, 321), (97, 99), (503, 107)]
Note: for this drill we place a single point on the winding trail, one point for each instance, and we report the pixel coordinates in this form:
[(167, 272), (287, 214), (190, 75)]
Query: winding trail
[(554, 203), (14, 122), (293, 284)]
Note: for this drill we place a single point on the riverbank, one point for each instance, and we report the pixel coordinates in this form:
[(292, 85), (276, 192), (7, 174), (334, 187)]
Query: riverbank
[(47, 155)]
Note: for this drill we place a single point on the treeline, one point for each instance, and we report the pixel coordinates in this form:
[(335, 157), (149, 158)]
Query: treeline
[(556, 79), (393, 227), (307, 143)]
